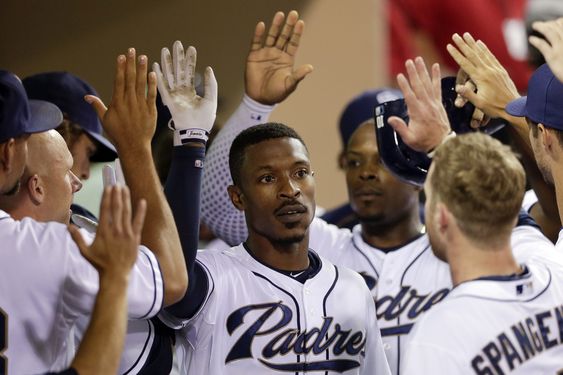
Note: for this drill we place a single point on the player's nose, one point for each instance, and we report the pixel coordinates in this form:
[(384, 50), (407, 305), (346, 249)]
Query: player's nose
[(289, 188), (76, 183)]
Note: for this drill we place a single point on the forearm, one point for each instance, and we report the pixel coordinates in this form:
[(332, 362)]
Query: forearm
[(159, 232), (217, 210), (101, 347)]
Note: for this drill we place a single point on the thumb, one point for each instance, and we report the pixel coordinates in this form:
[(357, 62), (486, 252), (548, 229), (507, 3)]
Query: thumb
[(400, 126), (300, 73), (79, 240), (98, 105)]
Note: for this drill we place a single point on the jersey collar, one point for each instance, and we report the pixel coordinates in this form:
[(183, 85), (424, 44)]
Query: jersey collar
[(515, 288)]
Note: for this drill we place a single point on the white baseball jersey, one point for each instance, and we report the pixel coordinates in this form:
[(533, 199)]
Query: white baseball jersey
[(46, 284), (256, 320), (407, 281), (559, 244), (494, 325)]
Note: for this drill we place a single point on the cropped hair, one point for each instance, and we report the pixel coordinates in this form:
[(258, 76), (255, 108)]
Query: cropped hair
[(482, 183)]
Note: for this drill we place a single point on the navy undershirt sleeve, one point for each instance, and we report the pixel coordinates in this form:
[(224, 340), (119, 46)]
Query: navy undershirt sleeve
[(182, 189)]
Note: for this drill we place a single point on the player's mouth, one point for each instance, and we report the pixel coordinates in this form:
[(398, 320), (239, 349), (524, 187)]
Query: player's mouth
[(368, 193), (291, 212)]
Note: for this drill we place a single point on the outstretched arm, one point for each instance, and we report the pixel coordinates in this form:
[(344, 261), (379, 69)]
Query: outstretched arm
[(130, 121), (113, 253), (552, 47), (270, 77), (493, 91), (193, 117)]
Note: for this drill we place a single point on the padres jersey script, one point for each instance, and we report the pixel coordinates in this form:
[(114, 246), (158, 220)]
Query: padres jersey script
[(256, 320), (46, 284), (406, 281), (494, 325)]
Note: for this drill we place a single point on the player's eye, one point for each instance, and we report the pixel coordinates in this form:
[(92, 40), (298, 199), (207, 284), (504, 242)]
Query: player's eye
[(352, 163), (302, 173), (266, 179)]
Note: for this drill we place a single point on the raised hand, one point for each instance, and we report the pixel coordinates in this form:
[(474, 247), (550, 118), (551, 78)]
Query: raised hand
[(176, 86), (115, 247), (130, 119), (552, 49), (491, 87), (270, 76), (428, 121)]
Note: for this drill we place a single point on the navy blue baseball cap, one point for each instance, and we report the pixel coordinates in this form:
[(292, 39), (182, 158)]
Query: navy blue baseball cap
[(67, 91), (20, 116), (360, 109), (543, 103)]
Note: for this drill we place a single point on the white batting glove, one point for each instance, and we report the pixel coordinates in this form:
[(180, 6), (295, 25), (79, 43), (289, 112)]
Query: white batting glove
[(192, 115)]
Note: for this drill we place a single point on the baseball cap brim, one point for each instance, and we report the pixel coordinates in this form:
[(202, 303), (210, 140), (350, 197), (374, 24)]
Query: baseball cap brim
[(517, 107), (44, 116), (105, 151)]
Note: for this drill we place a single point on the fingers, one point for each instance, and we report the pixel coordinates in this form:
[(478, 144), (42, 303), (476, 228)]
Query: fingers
[(191, 60), (461, 78), (151, 92), (116, 209), (179, 63), (541, 44), (167, 69), (274, 30), (141, 77), (405, 87), (160, 81), (437, 82), (98, 105), (549, 30), (414, 80), (468, 93), (105, 221), (259, 31), (300, 73), (108, 176), (423, 75), (290, 22), (293, 43), (139, 219), (477, 118), (130, 74), (126, 212), (210, 85), (119, 80)]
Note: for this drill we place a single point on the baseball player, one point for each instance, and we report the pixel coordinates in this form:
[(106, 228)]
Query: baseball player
[(60, 284), (269, 305), (501, 316), (389, 249)]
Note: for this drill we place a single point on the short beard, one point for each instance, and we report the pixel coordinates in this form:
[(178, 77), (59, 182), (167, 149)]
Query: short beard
[(14, 190), (284, 241)]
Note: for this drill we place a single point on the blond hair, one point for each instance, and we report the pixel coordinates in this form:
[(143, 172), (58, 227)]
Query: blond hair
[(482, 183)]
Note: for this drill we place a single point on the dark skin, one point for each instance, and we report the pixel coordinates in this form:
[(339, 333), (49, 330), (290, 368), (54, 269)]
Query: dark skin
[(277, 195), (387, 208)]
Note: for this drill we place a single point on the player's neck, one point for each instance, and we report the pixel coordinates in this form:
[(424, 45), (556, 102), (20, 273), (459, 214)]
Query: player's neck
[(383, 235), (470, 262), (280, 255), (558, 179)]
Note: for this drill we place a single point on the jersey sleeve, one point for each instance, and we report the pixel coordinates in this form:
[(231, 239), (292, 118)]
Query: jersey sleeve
[(207, 262), (529, 242), (145, 290), (217, 210)]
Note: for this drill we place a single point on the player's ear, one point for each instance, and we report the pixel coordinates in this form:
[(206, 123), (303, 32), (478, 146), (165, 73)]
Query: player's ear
[(342, 160), (236, 196), (547, 137), (7, 154), (443, 217), (35, 189)]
